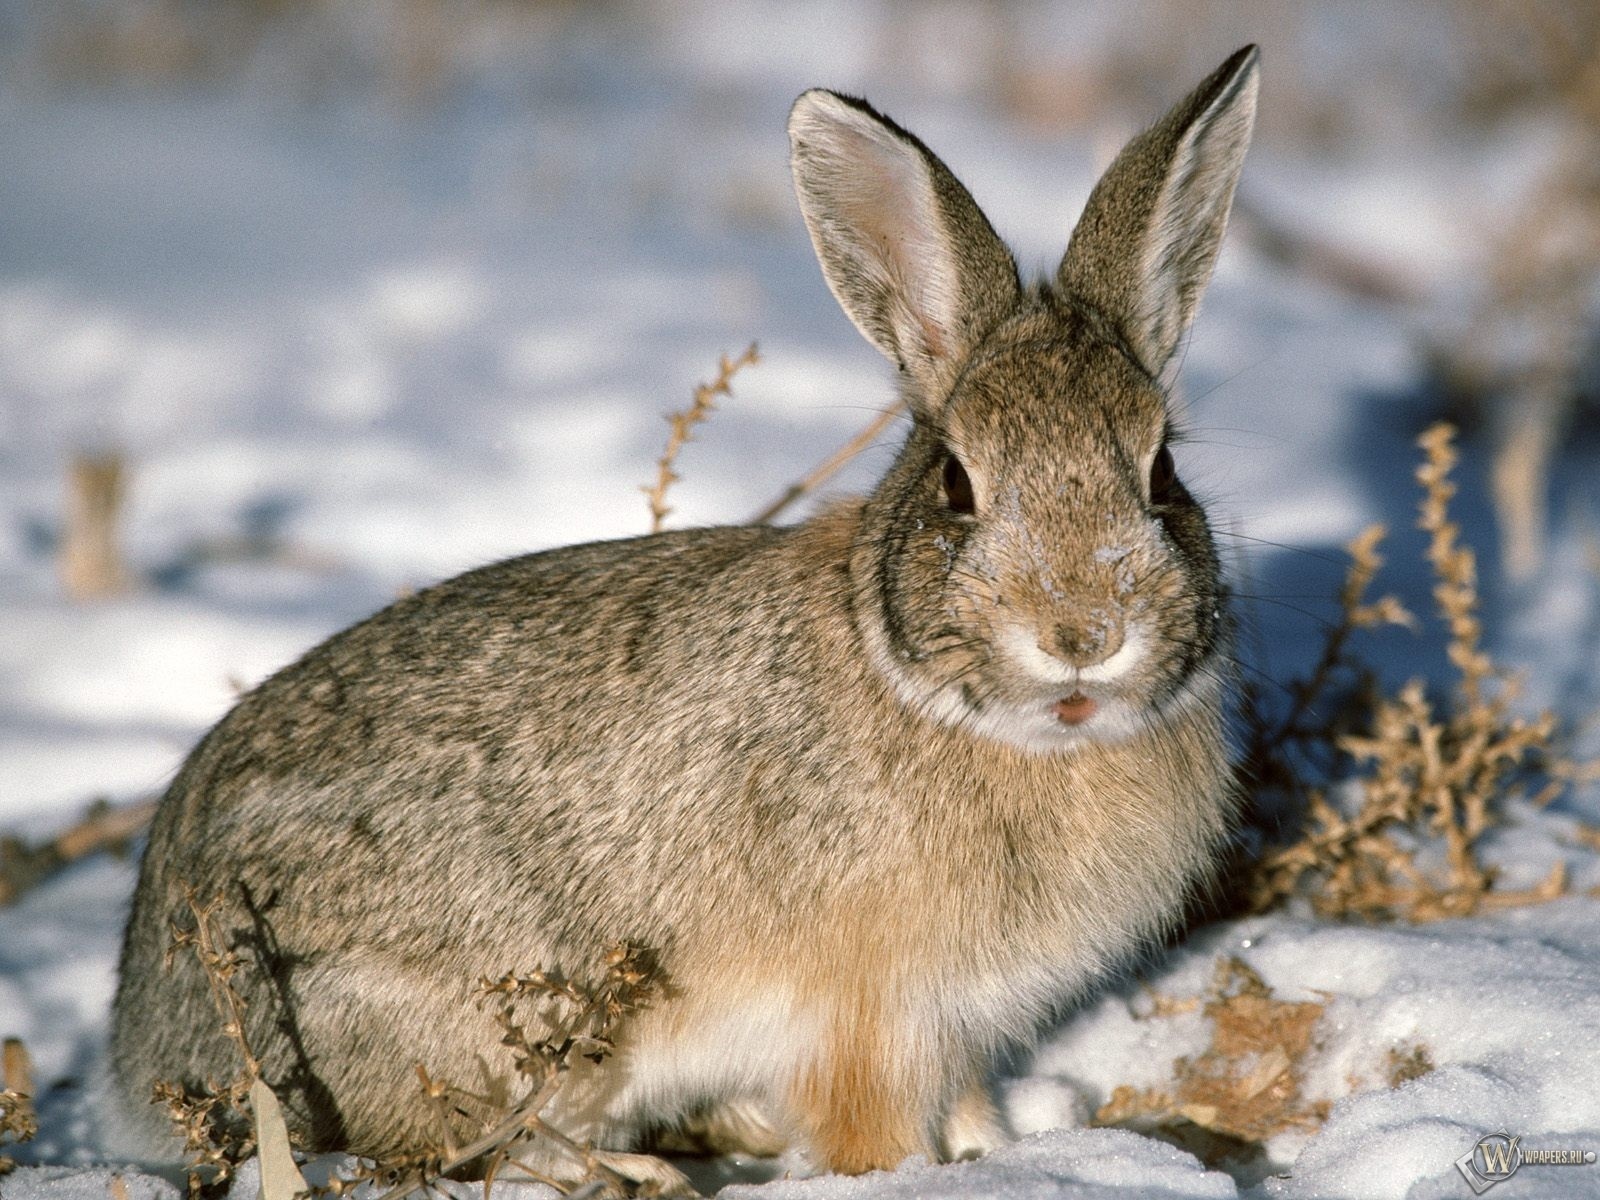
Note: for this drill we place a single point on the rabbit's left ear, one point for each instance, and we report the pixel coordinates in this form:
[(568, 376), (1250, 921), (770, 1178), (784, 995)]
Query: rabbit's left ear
[(902, 244), (1144, 248)]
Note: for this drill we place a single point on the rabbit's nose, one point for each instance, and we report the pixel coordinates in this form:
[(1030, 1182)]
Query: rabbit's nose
[(1083, 644)]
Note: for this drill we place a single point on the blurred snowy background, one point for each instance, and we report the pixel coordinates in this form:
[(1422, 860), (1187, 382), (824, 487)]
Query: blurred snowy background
[(307, 302)]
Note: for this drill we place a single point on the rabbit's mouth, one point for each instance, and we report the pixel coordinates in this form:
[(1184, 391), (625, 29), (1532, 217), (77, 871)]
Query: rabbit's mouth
[(1075, 709), (1056, 705)]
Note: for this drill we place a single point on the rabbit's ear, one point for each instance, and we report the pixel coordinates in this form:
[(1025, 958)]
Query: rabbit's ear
[(904, 248), (1148, 238)]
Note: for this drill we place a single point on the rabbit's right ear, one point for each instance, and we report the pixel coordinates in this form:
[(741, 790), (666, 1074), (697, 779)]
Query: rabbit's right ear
[(903, 246)]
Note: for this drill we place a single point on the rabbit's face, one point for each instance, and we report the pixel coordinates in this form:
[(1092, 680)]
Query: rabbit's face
[(1046, 577), (1031, 568)]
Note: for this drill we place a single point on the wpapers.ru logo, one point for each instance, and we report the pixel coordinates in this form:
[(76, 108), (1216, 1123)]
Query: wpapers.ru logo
[(1499, 1156)]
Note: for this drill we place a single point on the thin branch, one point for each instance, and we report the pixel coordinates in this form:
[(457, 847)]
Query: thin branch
[(1363, 276), (18, 1120), (682, 427), (103, 827), (831, 465)]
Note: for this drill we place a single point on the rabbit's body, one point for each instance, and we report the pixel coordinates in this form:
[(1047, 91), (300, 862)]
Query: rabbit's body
[(878, 792), (937, 890)]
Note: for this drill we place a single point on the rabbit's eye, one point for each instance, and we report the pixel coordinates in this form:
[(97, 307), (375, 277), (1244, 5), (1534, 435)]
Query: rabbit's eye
[(1163, 476), (957, 486)]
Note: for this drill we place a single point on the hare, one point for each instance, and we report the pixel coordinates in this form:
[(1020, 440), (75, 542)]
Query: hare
[(879, 792)]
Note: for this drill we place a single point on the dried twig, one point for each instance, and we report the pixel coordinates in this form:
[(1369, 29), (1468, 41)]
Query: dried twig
[(1357, 274), (91, 561), (1425, 774), (1523, 360), (221, 963), (585, 1028), (214, 1118), (103, 827), (831, 465), (1279, 753), (682, 426), (18, 1121)]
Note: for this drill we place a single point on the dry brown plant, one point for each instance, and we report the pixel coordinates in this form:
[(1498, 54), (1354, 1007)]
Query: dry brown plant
[(1414, 773), (1245, 1087), (1525, 360), (104, 827), (18, 1121), (830, 466), (91, 557), (1404, 1063), (1278, 751), (681, 428), (213, 1118), (575, 1023), (1249, 1084)]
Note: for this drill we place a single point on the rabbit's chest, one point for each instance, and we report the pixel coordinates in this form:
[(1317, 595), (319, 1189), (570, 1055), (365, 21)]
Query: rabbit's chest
[(1037, 903)]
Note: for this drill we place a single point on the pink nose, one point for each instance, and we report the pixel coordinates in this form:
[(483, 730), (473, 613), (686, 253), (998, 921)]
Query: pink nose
[(1083, 644)]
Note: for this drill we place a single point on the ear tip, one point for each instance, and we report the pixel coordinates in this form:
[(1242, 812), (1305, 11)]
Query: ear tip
[(821, 104), (1244, 67), (1234, 85)]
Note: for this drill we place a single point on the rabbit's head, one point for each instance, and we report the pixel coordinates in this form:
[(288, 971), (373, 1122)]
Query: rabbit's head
[(1031, 567)]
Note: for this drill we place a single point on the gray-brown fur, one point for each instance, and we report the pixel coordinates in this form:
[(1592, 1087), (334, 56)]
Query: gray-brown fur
[(804, 767)]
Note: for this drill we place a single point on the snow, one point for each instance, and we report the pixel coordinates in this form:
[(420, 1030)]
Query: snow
[(397, 340), (1081, 1164)]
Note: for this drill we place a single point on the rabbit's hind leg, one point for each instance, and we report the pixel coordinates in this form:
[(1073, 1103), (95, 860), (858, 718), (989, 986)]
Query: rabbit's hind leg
[(653, 1176), (730, 1127)]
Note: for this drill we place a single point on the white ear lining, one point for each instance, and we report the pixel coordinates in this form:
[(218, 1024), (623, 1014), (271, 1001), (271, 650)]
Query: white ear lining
[(869, 193), (1186, 224)]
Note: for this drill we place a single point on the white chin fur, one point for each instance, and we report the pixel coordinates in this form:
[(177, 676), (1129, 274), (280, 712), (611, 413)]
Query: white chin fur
[(1033, 726)]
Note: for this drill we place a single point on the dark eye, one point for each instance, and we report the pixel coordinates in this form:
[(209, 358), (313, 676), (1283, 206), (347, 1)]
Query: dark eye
[(1163, 476), (957, 486)]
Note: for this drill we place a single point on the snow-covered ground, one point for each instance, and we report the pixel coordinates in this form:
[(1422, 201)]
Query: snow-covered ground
[(399, 338)]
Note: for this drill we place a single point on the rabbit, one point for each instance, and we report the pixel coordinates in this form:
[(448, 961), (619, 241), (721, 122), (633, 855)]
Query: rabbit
[(879, 792)]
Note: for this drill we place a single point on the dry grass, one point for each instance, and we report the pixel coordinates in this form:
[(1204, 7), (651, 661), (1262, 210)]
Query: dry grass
[(830, 466), (91, 562), (1404, 1063), (1402, 778), (1524, 362), (104, 827), (18, 1121), (1245, 1087), (213, 1119), (1249, 1084), (411, 52), (681, 429), (576, 1023), (221, 1121)]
